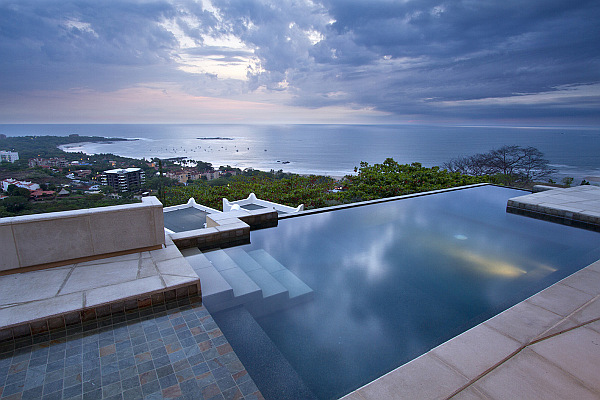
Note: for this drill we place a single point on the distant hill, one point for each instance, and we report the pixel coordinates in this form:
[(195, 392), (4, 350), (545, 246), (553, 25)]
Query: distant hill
[(46, 146)]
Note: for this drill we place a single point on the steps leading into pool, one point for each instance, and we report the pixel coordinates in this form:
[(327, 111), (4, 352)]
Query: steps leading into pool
[(255, 279), (270, 370)]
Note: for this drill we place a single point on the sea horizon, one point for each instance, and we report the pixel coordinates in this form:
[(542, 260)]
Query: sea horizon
[(328, 149)]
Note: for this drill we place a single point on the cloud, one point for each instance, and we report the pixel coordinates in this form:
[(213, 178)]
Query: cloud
[(407, 60)]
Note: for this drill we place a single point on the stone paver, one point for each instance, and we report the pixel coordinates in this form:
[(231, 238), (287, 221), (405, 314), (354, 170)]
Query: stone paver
[(529, 376), (91, 276), (415, 381), (578, 206), (169, 351), (523, 322), (576, 352), (20, 288), (477, 350), (30, 297)]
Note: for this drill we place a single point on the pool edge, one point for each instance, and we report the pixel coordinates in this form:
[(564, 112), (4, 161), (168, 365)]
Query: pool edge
[(473, 362)]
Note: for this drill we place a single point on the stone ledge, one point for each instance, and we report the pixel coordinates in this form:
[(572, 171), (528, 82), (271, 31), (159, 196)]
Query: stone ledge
[(577, 206), (61, 237), (125, 305)]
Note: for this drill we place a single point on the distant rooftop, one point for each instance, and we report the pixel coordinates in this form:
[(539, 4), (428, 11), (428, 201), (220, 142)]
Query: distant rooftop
[(122, 170)]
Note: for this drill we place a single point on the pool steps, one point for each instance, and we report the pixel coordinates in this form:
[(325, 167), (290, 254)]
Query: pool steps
[(215, 289), (295, 286), (255, 279), (261, 357)]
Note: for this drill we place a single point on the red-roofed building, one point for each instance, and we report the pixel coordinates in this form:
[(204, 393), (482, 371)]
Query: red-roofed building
[(39, 193)]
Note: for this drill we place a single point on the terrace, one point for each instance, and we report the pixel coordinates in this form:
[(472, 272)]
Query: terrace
[(114, 317)]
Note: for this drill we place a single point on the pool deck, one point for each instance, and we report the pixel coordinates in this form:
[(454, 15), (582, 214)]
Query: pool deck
[(37, 301), (577, 206), (125, 327), (132, 327)]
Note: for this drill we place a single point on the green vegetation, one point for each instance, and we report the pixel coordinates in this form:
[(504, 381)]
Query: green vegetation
[(371, 182), (510, 165), (392, 179), (45, 146), (313, 191)]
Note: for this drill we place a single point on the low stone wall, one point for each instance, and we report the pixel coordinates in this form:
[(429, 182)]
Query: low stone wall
[(65, 237)]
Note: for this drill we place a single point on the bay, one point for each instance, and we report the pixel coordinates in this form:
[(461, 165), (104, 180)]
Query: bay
[(329, 149)]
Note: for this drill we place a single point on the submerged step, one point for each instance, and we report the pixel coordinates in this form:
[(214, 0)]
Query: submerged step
[(244, 288), (214, 288), (243, 259), (269, 285), (271, 371), (295, 286), (266, 260), (220, 260)]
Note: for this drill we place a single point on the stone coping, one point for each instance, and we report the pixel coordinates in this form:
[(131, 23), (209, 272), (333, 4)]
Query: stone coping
[(225, 229), (253, 200), (37, 301), (377, 201), (577, 206), (543, 347)]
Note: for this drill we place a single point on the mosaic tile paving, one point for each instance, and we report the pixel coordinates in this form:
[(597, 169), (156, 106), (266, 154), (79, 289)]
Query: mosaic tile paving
[(172, 351)]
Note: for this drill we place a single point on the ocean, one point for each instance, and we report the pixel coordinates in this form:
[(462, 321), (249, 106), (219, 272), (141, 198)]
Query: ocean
[(330, 149)]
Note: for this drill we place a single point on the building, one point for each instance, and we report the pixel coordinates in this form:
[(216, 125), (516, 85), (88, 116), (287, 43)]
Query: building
[(211, 175), (184, 175), (57, 162), (82, 173), (23, 184), (9, 156), (41, 194), (123, 180)]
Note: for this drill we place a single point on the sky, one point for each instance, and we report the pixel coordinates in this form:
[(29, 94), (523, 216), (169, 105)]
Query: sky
[(470, 62)]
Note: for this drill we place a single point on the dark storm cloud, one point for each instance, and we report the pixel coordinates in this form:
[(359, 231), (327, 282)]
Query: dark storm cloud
[(51, 43), (424, 59), (458, 51), (405, 57)]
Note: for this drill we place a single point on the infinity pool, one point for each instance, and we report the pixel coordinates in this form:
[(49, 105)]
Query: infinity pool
[(393, 280)]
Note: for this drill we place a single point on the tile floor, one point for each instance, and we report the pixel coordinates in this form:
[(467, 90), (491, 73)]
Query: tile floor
[(173, 351)]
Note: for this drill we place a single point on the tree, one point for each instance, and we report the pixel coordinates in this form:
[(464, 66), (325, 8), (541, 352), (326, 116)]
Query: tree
[(14, 203), (511, 164), (202, 166), (393, 179), (14, 190), (567, 181)]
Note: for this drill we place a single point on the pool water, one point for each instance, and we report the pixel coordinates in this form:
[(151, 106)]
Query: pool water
[(393, 280), (185, 219)]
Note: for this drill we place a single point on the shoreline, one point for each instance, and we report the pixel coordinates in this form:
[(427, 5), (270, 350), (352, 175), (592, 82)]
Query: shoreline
[(274, 163), (80, 147)]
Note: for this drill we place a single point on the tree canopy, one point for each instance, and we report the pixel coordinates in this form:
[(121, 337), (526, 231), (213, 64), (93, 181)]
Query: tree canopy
[(510, 164)]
